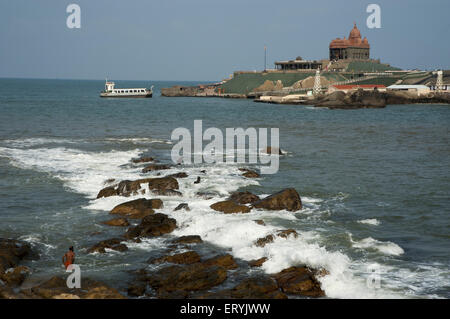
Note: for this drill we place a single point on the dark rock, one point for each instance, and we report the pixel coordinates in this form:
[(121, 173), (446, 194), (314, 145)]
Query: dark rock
[(177, 294), (152, 226), (56, 288), (274, 151), (137, 208), (198, 180), (299, 281), (143, 160), (163, 183), (243, 198), (206, 195), (107, 192), (155, 167), (260, 222), (187, 258), (191, 239), (186, 278), (257, 262), (286, 233), (120, 221), (230, 207), (15, 276), (226, 261), (262, 287), (124, 188), (178, 175), (12, 252), (113, 243), (287, 199), (261, 242), (249, 173), (137, 290), (352, 100), (184, 206)]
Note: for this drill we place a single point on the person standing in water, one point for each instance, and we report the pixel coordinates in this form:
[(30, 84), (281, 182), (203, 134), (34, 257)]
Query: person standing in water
[(69, 257)]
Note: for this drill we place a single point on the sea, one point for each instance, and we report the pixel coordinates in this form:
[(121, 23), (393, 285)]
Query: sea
[(374, 184)]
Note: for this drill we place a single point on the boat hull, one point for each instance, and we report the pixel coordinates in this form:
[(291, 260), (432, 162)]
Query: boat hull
[(128, 96)]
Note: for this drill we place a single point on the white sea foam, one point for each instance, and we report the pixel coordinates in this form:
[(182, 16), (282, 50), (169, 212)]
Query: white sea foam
[(372, 221), (85, 172), (387, 247), (82, 171)]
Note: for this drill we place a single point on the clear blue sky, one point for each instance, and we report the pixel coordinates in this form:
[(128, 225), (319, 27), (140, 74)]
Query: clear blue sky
[(207, 39)]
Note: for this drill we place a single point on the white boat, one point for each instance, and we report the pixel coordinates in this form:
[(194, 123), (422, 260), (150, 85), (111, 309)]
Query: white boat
[(111, 91)]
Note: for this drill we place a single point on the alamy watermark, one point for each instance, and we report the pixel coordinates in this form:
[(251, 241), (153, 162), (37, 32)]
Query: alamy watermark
[(374, 19), (74, 279), (374, 279), (74, 19), (251, 146)]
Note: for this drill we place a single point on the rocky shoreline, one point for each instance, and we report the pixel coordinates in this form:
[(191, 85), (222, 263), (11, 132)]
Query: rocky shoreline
[(360, 99), (337, 100), (188, 268)]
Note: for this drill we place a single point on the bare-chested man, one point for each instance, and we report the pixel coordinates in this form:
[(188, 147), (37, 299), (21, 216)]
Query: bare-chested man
[(69, 257)]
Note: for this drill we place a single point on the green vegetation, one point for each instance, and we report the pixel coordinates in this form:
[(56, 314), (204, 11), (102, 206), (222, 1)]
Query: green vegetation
[(369, 66), (386, 81)]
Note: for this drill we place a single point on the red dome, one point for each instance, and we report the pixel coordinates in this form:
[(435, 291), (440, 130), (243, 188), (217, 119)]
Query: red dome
[(354, 34)]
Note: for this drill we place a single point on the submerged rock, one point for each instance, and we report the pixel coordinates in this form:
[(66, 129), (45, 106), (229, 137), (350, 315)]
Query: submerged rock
[(152, 226), (230, 207), (191, 239), (113, 243), (206, 195), (178, 175), (187, 258), (287, 199), (249, 173), (184, 206), (155, 167), (143, 160)]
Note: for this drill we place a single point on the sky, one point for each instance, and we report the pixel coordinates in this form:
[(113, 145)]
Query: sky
[(207, 40)]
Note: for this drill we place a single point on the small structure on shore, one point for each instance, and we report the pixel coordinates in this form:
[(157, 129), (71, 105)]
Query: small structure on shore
[(353, 87), (417, 89), (298, 64)]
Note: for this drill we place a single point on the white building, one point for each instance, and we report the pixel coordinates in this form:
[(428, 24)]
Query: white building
[(418, 89)]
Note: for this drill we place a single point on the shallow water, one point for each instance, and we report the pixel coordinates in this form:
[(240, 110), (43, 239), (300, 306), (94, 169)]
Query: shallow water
[(374, 184)]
